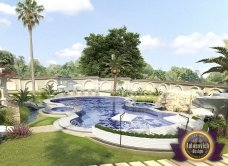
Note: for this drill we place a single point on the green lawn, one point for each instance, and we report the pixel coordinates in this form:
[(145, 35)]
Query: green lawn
[(43, 121), (58, 148), (225, 141)]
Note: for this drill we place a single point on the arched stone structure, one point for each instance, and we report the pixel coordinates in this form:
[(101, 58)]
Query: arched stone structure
[(214, 90), (195, 88), (163, 88), (150, 87), (135, 86), (11, 85), (28, 84), (105, 86), (89, 84), (177, 87)]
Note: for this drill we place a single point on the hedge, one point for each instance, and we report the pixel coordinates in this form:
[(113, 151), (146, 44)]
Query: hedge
[(135, 134)]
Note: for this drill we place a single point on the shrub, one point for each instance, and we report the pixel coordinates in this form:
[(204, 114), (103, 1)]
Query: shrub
[(149, 99), (24, 114), (22, 96), (19, 131), (6, 117), (219, 124), (135, 134)]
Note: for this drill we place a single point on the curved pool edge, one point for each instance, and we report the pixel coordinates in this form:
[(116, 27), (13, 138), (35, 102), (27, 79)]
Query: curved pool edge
[(158, 144)]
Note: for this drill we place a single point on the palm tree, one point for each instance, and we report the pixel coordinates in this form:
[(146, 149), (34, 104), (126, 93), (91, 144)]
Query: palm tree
[(222, 61), (29, 13), (115, 64), (222, 67)]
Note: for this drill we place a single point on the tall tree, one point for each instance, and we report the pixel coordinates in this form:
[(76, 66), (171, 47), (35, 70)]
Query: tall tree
[(118, 42), (20, 66), (29, 13), (182, 74), (215, 77), (7, 62)]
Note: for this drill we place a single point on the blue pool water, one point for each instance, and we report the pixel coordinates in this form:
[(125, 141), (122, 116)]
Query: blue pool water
[(100, 110)]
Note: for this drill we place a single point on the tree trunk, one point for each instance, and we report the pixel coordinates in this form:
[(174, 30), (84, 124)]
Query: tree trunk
[(32, 61), (115, 83)]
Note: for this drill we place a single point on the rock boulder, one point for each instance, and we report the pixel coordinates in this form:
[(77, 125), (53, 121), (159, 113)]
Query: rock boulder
[(178, 101)]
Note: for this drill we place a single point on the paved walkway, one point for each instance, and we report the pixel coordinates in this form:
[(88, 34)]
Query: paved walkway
[(42, 129), (166, 162)]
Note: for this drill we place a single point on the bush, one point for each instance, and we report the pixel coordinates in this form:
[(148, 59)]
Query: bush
[(149, 99), (6, 117), (19, 131), (219, 124), (24, 114), (135, 134)]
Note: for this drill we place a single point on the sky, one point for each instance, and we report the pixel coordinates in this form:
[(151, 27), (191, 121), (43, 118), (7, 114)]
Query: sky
[(172, 33)]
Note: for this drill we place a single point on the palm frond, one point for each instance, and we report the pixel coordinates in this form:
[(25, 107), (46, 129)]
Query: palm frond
[(215, 69)]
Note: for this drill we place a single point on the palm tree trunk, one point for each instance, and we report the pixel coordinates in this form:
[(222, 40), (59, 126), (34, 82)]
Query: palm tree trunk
[(115, 83), (32, 61)]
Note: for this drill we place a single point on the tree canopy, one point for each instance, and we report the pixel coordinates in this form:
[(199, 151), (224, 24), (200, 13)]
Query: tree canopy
[(118, 42), (7, 62), (182, 74)]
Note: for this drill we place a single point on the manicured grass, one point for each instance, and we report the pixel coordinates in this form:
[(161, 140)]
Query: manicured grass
[(225, 141), (43, 121), (58, 148)]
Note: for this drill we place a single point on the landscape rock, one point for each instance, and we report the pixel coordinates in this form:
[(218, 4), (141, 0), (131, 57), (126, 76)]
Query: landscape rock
[(178, 101)]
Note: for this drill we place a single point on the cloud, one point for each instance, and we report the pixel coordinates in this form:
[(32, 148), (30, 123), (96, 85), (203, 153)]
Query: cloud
[(52, 62), (75, 51), (7, 9), (148, 42), (70, 7), (4, 22), (196, 42)]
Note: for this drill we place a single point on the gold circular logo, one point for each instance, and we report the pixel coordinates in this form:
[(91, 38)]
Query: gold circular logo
[(197, 145)]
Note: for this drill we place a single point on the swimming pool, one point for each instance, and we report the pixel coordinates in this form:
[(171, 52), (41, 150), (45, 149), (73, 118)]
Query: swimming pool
[(106, 111)]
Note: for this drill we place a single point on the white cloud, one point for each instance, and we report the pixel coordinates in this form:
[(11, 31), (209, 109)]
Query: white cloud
[(70, 7), (195, 42), (4, 22), (52, 62), (148, 42), (75, 51), (7, 9)]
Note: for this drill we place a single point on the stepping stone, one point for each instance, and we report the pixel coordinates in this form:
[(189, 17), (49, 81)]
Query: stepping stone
[(184, 163), (166, 162), (224, 160), (152, 163), (121, 164), (225, 155), (106, 165), (198, 163), (136, 163), (217, 163)]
